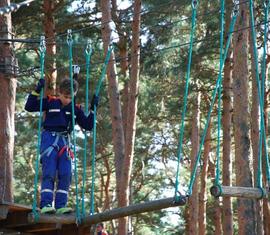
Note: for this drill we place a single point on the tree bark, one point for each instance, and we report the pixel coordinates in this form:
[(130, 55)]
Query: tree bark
[(227, 142), (7, 107), (132, 105), (246, 218), (115, 108), (49, 28), (266, 206), (193, 201), (203, 193), (255, 117)]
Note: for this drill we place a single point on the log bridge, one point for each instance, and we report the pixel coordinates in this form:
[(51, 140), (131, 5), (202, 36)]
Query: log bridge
[(16, 218), (240, 192)]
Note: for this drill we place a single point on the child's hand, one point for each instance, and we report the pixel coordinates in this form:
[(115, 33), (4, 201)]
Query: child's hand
[(94, 101), (40, 85), (76, 69)]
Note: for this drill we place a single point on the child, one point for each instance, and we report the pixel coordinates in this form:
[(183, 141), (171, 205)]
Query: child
[(101, 229), (55, 152)]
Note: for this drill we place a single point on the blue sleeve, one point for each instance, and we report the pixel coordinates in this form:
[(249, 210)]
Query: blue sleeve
[(33, 103), (86, 122)]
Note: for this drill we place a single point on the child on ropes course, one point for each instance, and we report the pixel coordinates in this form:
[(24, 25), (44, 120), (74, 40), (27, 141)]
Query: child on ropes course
[(55, 152), (101, 229)]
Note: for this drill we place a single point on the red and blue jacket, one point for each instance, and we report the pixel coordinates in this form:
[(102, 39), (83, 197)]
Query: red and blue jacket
[(58, 118)]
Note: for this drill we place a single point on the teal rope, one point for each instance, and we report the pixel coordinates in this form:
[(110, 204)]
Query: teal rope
[(182, 127), (219, 80), (266, 15), (222, 7), (262, 127), (88, 54), (104, 68), (70, 43), (42, 50)]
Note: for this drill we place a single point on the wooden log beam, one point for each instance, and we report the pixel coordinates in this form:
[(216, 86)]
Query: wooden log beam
[(111, 214), (235, 191), (133, 210)]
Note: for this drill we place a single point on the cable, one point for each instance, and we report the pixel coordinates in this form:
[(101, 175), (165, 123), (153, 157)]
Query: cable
[(36, 41)]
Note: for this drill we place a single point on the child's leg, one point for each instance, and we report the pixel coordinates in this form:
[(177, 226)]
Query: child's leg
[(48, 178), (64, 180), (49, 164)]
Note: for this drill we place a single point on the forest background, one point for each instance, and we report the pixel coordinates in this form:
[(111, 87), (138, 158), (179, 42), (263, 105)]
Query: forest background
[(141, 105)]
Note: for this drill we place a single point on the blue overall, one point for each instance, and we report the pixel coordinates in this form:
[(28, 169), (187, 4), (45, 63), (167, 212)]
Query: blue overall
[(54, 149), (54, 164)]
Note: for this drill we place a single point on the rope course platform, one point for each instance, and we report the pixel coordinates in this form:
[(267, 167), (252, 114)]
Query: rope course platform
[(241, 192), (19, 218)]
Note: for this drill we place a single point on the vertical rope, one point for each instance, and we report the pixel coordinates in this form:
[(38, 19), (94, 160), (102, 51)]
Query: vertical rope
[(88, 53), (222, 6), (70, 43), (182, 125), (266, 15), (104, 68), (219, 80), (42, 50)]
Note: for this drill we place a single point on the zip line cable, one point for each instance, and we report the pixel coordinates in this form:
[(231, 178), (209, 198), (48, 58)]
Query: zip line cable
[(207, 39), (36, 41)]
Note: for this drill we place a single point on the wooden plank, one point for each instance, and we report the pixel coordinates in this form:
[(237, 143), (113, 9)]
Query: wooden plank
[(112, 214), (15, 219), (3, 212), (235, 191), (15, 206)]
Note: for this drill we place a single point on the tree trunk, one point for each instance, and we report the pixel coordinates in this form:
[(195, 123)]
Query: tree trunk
[(115, 107), (246, 218), (226, 124), (203, 193), (266, 206), (49, 28), (193, 201), (7, 107), (217, 217), (255, 119), (132, 105)]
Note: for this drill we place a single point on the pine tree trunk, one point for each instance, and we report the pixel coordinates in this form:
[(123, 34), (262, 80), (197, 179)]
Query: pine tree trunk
[(266, 206), (49, 28), (246, 218), (227, 142), (203, 193), (132, 107), (217, 217), (115, 107), (255, 137), (7, 107), (193, 201)]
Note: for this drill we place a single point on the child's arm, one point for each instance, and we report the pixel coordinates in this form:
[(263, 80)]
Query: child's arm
[(87, 122), (33, 100)]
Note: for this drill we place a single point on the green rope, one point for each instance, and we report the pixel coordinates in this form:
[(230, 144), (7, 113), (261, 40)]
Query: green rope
[(42, 51), (222, 7), (266, 15), (219, 80), (182, 126), (104, 68), (70, 42), (262, 127), (88, 54)]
